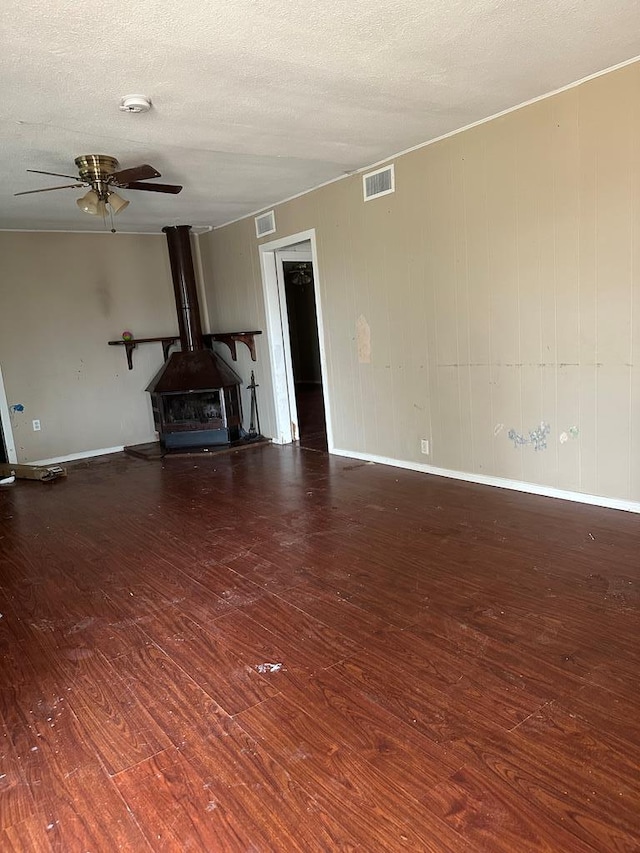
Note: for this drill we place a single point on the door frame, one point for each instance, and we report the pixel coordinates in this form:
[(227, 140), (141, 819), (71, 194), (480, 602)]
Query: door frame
[(5, 421), (281, 256), (271, 256)]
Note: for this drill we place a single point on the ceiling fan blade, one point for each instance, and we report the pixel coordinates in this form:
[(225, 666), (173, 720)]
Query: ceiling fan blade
[(48, 189), (155, 188), (137, 173), (55, 174)]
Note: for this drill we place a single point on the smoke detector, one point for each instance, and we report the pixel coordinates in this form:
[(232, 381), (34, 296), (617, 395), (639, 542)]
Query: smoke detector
[(135, 104)]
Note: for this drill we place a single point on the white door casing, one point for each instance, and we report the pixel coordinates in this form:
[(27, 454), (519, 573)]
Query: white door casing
[(272, 256), (5, 420)]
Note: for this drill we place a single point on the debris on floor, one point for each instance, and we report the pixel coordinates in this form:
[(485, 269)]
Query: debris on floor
[(269, 667), (44, 473)]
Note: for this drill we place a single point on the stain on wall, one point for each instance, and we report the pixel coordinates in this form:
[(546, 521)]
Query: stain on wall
[(363, 339), (572, 432), (104, 299), (537, 437)]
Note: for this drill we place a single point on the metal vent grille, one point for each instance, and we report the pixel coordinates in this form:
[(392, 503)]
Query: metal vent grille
[(265, 223), (380, 182)]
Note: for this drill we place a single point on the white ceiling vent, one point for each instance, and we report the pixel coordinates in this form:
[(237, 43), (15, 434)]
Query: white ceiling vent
[(265, 224), (380, 182)]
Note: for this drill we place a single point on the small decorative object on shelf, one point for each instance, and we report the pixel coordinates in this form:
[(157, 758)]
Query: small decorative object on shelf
[(254, 418)]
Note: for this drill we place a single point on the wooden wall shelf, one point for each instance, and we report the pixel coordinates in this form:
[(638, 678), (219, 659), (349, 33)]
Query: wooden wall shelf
[(167, 341), (129, 346), (231, 338)]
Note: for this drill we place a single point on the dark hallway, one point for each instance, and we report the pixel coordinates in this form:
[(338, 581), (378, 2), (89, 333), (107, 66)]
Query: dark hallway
[(305, 354)]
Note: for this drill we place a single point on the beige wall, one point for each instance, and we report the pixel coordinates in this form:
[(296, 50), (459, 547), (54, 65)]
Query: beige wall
[(62, 297), (499, 283), (234, 300)]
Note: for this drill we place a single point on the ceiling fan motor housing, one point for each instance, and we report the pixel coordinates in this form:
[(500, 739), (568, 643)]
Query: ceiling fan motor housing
[(95, 167)]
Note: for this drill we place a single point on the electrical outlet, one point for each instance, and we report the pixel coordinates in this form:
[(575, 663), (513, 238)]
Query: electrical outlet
[(36, 426), (424, 446)]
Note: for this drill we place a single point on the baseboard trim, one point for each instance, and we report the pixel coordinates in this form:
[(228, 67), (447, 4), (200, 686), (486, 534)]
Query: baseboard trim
[(73, 457), (497, 482)]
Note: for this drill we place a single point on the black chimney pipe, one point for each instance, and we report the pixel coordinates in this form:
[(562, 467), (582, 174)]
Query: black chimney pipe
[(184, 286)]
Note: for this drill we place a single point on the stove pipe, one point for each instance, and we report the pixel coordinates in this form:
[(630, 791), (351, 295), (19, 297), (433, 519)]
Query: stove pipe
[(184, 286)]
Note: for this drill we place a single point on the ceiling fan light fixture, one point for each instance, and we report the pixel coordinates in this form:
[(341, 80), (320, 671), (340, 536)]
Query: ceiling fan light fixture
[(117, 203), (90, 203)]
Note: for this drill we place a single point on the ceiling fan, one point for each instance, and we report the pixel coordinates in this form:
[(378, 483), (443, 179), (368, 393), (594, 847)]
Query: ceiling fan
[(100, 173)]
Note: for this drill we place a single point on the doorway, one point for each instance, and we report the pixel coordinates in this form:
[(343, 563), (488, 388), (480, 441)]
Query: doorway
[(295, 270), (290, 279)]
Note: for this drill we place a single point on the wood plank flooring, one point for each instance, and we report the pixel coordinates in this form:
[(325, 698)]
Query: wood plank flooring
[(311, 418), (277, 650)]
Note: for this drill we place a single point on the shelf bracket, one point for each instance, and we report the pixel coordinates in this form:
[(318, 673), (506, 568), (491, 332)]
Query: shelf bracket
[(232, 338)]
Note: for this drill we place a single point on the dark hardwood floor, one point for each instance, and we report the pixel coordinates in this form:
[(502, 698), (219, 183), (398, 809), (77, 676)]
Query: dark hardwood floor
[(311, 418), (276, 650)]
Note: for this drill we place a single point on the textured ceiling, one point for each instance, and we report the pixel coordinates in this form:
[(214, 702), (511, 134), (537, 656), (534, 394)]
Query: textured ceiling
[(255, 101)]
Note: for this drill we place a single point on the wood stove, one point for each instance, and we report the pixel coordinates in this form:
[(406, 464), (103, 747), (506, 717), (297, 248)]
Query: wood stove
[(195, 395)]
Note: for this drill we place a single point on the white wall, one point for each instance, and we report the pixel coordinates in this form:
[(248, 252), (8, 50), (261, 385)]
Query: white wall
[(235, 305), (62, 297), (500, 286)]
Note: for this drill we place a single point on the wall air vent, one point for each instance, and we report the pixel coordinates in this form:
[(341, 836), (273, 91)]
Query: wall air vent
[(380, 182), (265, 224)]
